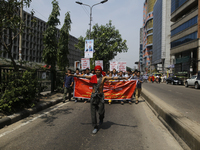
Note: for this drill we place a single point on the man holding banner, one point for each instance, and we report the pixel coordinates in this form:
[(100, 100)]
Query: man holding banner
[(97, 96)]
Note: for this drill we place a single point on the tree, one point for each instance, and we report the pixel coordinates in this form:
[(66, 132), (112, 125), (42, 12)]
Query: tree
[(63, 49), (50, 41), (11, 25), (107, 43)]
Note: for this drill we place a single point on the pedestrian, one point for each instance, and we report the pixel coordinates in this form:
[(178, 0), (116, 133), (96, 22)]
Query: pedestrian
[(77, 73), (138, 86), (67, 85), (152, 79), (87, 73), (97, 96)]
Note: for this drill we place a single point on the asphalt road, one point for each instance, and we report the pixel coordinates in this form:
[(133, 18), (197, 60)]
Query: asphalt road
[(185, 100), (67, 126)]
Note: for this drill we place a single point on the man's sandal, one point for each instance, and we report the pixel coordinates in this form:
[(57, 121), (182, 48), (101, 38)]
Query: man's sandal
[(136, 102)]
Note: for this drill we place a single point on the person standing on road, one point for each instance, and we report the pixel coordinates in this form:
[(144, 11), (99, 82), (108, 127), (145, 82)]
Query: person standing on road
[(97, 96), (87, 73), (77, 73), (138, 86), (67, 85)]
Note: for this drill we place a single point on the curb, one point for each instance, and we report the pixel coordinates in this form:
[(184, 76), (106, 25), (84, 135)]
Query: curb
[(18, 116), (186, 129)]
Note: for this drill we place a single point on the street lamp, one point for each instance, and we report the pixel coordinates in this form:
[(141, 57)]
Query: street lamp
[(80, 3)]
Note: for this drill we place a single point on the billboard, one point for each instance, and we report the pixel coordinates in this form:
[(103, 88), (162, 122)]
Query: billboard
[(89, 48)]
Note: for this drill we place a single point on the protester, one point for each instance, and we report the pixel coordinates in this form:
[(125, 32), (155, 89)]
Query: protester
[(121, 75), (92, 71), (138, 86), (128, 73), (77, 73), (108, 72), (110, 75), (97, 96), (114, 73), (87, 73), (67, 85)]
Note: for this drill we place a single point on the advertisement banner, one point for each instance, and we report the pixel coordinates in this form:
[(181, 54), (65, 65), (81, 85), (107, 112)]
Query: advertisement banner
[(85, 63), (89, 48), (122, 66), (114, 90), (113, 65), (99, 63)]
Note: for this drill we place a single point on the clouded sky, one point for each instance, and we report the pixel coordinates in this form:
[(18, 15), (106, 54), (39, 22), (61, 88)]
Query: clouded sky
[(126, 16)]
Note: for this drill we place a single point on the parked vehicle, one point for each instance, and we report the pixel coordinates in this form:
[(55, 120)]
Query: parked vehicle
[(193, 81), (174, 80)]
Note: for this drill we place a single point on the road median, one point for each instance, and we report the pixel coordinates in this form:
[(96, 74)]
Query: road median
[(188, 130)]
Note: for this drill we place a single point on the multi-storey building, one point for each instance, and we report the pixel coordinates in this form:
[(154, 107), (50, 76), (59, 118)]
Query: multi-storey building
[(140, 64), (147, 33), (161, 35), (185, 36), (32, 42)]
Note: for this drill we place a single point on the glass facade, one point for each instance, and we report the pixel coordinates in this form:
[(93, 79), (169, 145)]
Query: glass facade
[(150, 39), (185, 25), (184, 39), (157, 31), (150, 24), (176, 4), (150, 5)]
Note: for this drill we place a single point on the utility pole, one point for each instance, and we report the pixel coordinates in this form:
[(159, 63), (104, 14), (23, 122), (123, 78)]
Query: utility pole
[(20, 35)]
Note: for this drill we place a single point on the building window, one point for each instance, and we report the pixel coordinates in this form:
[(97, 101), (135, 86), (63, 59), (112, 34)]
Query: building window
[(185, 25), (175, 4), (184, 39)]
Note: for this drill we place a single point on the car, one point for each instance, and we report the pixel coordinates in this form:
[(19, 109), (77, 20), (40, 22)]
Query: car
[(193, 81), (174, 80)]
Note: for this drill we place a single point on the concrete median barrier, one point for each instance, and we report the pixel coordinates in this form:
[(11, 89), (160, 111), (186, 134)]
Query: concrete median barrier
[(187, 130)]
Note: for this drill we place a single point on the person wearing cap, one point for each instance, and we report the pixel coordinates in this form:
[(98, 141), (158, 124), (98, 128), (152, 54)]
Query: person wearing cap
[(97, 96)]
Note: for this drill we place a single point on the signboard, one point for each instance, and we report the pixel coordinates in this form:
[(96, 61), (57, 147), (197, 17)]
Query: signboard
[(114, 90), (77, 64), (113, 65), (85, 63), (122, 66), (89, 48), (99, 63)]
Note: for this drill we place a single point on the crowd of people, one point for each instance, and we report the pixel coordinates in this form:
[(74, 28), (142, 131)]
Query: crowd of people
[(69, 81), (97, 79)]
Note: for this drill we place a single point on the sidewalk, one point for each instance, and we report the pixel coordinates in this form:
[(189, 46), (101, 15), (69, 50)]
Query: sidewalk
[(47, 100), (186, 129)]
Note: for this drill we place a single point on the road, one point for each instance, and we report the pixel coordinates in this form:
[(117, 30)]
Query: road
[(67, 126), (185, 100)]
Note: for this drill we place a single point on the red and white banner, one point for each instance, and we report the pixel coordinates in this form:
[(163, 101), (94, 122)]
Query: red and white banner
[(85, 63), (114, 90), (113, 65), (122, 66), (99, 63)]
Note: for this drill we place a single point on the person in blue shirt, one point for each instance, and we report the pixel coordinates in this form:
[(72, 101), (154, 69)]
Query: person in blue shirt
[(67, 85)]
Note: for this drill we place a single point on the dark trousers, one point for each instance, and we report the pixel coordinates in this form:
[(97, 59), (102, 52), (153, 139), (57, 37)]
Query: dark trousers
[(67, 91), (99, 108)]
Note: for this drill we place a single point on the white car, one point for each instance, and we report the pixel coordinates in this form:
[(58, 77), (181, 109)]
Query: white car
[(192, 82)]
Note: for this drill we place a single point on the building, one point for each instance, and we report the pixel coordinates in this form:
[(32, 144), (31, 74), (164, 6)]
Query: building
[(140, 64), (161, 38), (148, 34), (32, 43), (185, 35)]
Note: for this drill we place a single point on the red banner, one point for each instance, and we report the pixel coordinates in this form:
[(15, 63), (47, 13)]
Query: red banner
[(114, 90)]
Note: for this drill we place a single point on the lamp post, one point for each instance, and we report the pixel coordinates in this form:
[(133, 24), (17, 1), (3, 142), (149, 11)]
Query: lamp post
[(80, 3)]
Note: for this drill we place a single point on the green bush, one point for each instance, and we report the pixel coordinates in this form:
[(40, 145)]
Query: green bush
[(18, 91)]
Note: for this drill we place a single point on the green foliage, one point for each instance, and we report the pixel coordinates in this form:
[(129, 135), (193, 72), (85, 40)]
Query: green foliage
[(50, 37), (11, 25), (63, 49), (18, 91), (107, 43)]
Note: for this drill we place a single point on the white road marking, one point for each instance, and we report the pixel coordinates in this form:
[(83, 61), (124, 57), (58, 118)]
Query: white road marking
[(23, 124)]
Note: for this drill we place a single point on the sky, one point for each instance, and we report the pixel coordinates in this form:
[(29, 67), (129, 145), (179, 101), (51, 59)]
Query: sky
[(126, 16)]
